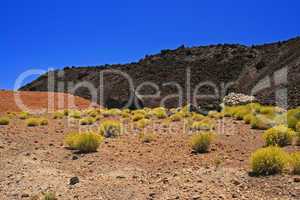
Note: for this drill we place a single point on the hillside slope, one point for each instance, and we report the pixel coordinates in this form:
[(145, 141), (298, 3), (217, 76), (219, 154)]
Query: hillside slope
[(241, 67), (40, 100)]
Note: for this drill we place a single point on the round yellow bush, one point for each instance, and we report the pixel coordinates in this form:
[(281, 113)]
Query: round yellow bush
[(279, 135), (110, 128), (261, 122), (268, 161), (201, 141), (87, 121), (4, 121), (295, 163), (84, 142)]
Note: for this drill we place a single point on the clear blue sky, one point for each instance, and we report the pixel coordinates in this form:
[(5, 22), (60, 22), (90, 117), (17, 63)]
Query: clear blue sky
[(42, 34)]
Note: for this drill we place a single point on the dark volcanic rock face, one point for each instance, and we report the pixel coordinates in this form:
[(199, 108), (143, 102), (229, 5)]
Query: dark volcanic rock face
[(270, 72)]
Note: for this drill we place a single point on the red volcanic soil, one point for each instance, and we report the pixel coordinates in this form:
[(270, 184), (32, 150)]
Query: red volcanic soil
[(40, 100)]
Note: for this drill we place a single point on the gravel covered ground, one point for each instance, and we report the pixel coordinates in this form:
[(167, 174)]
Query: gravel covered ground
[(34, 160)]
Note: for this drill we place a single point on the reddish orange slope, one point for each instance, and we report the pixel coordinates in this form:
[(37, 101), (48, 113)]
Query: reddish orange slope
[(40, 100)]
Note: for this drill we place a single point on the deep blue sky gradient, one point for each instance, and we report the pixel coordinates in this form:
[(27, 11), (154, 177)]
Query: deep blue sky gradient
[(42, 34)]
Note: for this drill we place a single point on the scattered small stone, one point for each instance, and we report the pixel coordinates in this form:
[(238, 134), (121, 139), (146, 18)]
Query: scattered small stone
[(74, 180), (25, 195), (297, 179), (75, 158)]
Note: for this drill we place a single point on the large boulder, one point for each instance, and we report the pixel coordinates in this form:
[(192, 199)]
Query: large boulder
[(235, 99)]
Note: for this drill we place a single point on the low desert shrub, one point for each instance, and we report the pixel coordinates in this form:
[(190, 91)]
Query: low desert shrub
[(137, 117), (295, 163), (84, 142), (87, 121), (247, 118), (58, 115), (297, 127), (268, 161), (4, 121), (147, 137), (201, 141), (261, 122), (159, 113), (197, 117), (49, 196), (43, 121), (75, 114), (176, 117), (204, 125), (216, 115), (293, 117), (31, 122), (110, 128), (278, 136), (143, 123), (112, 112), (23, 115)]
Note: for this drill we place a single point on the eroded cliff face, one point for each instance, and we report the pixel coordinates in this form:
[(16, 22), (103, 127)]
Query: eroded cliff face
[(271, 70)]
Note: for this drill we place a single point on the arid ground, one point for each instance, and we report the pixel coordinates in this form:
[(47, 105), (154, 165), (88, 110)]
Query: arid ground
[(34, 160)]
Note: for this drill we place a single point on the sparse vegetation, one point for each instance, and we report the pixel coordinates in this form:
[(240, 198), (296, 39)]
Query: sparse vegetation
[(137, 117), (143, 123), (31, 122), (176, 117), (279, 135), (112, 112), (43, 121), (4, 121), (75, 114), (49, 196), (84, 142), (204, 125), (58, 115), (23, 115), (295, 163), (147, 137), (261, 122), (87, 121), (202, 141), (110, 128), (159, 113), (269, 160)]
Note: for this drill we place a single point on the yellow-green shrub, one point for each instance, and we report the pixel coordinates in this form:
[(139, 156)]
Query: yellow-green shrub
[(216, 115), (112, 112), (203, 125), (176, 117), (293, 117), (49, 196), (268, 161), (137, 117), (58, 115), (247, 118), (279, 135), (147, 137), (23, 115), (295, 163), (143, 123), (110, 128), (4, 121), (261, 122), (197, 117), (87, 121), (84, 142), (159, 113), (75, 114), (43, 121), (33, 122), (201, 141)]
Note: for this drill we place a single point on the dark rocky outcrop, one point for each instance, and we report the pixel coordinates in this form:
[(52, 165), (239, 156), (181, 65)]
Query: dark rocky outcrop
[(271, 70)]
